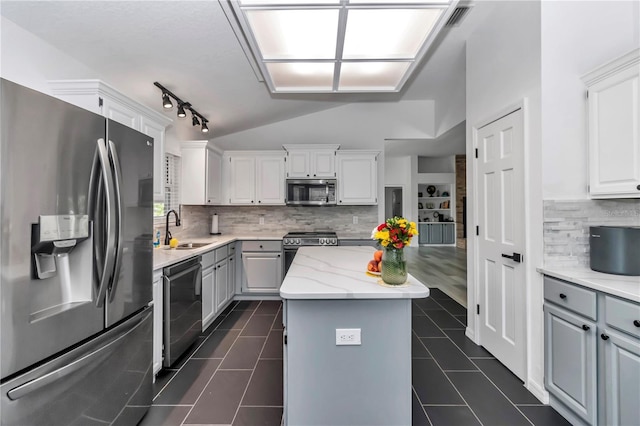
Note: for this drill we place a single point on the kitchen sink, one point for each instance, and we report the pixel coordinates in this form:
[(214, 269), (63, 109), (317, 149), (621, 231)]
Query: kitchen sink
[(191, 245), (188, 246)]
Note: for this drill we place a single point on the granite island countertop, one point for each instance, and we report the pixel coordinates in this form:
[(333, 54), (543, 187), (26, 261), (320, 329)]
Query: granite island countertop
[(340, 273), (622, 286), (164, 256)]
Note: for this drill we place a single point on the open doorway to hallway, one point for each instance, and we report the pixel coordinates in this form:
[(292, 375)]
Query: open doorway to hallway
[(441, 267)]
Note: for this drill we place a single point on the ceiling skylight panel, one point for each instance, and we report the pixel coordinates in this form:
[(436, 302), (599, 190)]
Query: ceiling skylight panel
[(387, 33), (295, 34), (379, 76), (287, 2), (301, 76)]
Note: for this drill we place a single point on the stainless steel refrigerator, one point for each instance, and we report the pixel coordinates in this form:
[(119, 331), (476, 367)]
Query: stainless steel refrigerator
[(76, 194)]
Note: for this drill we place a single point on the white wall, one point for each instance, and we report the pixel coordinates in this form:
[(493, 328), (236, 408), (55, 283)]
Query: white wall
[(353, 126), (503, 68), (577, 37), (437, 164), (30, 61), (397, 172)]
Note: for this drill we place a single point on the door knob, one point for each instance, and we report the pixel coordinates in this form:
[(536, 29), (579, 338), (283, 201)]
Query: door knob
[(516, 257)]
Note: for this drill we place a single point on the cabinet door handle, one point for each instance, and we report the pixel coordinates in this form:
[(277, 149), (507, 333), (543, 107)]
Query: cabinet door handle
[(585, 327), (563, 296), (251, 201), (636, 323), (307, 175), (638, 187), (259, 201), (260, 245), (278, 255), (604, 336)]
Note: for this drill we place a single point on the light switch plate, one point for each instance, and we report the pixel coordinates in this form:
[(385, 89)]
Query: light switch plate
[(355, 220), (348, 336)]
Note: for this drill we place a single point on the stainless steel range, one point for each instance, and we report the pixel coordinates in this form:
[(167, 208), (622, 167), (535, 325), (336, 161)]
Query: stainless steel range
[(293, 240)]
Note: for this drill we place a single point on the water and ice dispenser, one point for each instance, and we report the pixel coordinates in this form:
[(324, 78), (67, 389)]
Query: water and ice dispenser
[(54, 237)]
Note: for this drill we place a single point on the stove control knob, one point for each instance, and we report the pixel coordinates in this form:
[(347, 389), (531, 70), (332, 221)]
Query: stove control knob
[(287, 241), (321, 241), (297, 241), (333, 241)]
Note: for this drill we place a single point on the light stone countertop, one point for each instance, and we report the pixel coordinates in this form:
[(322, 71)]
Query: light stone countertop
[(616, 285), (340, 273), (163, 257)]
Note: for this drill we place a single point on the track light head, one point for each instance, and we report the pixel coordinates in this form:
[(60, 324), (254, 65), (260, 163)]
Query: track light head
[(181, 112), (166, 101), (195, 120), (205, 128)]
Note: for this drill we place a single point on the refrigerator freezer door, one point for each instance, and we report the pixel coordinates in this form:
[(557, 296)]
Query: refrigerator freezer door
[(131, 156), (107, 380), (46, 156)]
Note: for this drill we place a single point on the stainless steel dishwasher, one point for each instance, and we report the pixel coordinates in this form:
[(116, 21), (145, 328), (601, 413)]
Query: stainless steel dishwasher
[(182, 320)]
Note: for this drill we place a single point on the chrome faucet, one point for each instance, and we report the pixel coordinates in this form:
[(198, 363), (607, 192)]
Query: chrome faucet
[(167, 234)]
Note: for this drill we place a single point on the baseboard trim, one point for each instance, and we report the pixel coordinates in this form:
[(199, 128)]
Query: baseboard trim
[(538, 391), (470, 334)]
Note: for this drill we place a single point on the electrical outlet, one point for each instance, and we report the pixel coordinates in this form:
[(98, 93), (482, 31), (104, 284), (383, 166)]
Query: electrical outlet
[(261, 220), (355, 220), (348, 336)]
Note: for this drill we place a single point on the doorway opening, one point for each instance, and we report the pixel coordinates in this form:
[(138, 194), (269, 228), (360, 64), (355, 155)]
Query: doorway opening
[(393, 201)]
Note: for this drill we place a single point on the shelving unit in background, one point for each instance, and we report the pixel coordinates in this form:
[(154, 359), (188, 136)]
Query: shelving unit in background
[(434, 231), (441, 202)]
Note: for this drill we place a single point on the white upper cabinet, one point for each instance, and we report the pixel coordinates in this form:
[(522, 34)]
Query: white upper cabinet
[(357, 177), (270, 179), (242, 179), (98, 97), (201, 178), (311, 161), (614, 120), (256, 177), (213, 186)]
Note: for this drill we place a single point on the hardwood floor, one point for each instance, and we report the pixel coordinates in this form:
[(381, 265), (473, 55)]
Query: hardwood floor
[(441, 267)]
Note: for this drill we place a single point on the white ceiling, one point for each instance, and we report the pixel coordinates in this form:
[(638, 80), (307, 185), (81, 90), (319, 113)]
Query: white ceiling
[(189, 47)]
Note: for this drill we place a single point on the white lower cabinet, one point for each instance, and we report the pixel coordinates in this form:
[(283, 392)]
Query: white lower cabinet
[(218, 282), (208, 296), (158, 294), (221, 284)]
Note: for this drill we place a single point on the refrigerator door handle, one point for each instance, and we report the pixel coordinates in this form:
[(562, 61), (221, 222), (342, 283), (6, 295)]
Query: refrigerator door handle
[(98, 352), (109, 261), (117, 178)]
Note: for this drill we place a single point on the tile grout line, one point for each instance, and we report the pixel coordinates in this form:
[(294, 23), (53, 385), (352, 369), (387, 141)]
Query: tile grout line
[(481, 372), (447, 377), (177, 371), (413, 392), (255, 365), (218, 367)]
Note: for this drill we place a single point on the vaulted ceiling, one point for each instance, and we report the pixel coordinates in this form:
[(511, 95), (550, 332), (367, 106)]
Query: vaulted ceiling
[(189, 47)]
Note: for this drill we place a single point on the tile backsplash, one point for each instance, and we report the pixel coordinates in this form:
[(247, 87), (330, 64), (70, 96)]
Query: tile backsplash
[(245, 220), (566, 227)]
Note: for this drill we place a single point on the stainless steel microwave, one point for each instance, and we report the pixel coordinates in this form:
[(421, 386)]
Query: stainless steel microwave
[(311, 192)]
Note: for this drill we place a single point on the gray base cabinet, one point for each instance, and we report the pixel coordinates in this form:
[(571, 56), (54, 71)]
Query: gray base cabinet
[(261, 266), (592, 354), (570, 367), (437, 233)]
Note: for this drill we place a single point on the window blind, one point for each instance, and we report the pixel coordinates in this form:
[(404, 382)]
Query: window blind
[(171, 182)]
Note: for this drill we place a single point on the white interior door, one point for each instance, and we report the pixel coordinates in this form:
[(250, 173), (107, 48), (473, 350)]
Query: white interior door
[(501, 217)]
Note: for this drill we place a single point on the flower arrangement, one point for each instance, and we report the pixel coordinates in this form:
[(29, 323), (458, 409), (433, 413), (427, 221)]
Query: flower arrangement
[(395, 232)]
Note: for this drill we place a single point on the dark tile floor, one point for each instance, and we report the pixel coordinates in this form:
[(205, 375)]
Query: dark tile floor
[(233, 374)]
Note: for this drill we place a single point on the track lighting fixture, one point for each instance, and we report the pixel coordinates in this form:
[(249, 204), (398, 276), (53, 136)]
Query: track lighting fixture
[(196, 119), (181, 112), (166, 101)]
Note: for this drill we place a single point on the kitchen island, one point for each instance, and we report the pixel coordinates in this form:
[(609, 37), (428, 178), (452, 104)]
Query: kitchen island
[(360, 376)]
